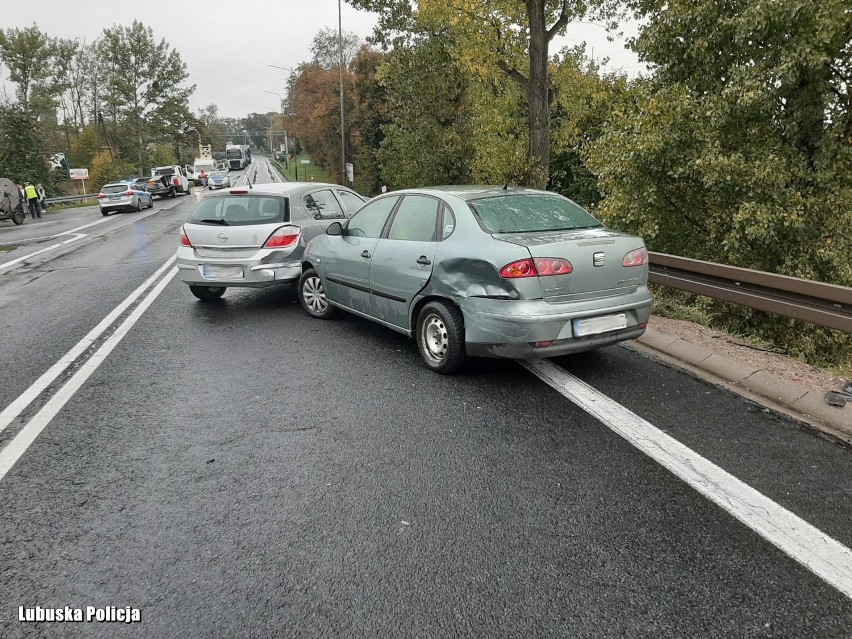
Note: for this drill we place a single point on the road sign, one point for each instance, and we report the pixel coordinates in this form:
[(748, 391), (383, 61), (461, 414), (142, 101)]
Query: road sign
[(79, 174), (350, 172), (305, 161)]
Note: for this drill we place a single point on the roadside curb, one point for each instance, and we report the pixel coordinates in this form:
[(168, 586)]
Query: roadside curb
[(803, 403)]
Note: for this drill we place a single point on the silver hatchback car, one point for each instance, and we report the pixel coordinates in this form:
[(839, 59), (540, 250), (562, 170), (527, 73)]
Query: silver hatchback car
[(255, 236)]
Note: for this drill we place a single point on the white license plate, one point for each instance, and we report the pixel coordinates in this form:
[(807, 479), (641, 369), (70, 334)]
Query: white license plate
[(221, 272), (602, 324)]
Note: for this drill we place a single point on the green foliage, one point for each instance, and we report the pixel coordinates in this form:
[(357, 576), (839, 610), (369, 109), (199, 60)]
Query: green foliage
[(738, 150), (162, 155), (22, 150), (31, 58), (428, 139), (104, 170)]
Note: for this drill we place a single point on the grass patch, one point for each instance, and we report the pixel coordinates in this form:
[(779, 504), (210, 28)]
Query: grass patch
[(7, 247), (307, 172)]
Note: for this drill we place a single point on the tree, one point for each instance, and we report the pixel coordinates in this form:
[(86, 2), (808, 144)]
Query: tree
[(511, 36), (428, 140), (143, 82), (325, 48), (368, 118), (22, 149), (738, 149), (32, 58)]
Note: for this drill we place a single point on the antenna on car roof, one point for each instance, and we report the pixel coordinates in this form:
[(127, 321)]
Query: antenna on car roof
[(508, 179)]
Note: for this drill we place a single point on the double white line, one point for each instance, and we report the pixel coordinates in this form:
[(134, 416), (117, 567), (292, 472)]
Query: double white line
[(27, 435)]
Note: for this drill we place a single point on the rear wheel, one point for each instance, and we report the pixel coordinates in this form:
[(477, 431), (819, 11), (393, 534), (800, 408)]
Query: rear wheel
[(139, 205), (104, 213), (208, 292), (151, 202), (172, 191), (18, 218), (440, 337), (312, 296)]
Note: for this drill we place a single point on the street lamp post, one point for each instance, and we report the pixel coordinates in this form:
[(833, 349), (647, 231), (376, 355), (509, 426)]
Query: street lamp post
[(342, 125), (281, 106)]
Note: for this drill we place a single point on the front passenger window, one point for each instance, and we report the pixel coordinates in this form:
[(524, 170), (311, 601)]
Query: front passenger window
[(370, 220)]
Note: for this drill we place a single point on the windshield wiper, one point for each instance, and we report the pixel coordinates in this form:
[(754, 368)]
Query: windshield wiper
[(212, 221)]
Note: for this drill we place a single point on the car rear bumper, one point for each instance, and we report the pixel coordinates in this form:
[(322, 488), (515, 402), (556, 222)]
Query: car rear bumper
[(263, 270), (511, 328), (118, 205)]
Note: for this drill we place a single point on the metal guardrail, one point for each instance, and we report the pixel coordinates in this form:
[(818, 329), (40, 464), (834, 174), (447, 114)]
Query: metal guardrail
[(70, 198), (814, 302)]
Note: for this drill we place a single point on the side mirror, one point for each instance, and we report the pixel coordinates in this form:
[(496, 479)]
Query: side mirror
[(335, 228)]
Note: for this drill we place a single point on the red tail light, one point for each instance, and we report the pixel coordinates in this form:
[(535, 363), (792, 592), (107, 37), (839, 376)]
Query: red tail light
[(540, 267), (552, 266), (636, 257), (101, 196), (184, 240), (176, 181), (128, 192), (283, 237)]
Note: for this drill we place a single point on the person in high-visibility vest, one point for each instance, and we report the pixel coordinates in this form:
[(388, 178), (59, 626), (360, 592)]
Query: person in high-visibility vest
[(32, 200)]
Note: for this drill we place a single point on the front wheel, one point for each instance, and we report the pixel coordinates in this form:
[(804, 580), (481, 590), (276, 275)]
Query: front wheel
[(208, 293), (312, 296), (18, 218), (440, 337)]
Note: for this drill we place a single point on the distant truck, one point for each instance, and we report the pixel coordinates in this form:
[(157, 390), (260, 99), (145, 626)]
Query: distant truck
[(168, 181), (238, 156)]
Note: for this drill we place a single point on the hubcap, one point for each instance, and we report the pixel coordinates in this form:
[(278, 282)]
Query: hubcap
[(314, 295), (434, 337)]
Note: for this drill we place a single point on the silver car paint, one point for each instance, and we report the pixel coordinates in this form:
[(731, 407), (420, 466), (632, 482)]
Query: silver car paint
[(502, 316)]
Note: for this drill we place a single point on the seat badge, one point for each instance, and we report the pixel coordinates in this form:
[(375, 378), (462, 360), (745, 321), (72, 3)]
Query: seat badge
[(598, 259)]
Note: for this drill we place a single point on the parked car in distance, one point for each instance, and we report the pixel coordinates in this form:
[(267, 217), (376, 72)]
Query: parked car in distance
[(218, 180), (256, 236), (481, 271), (124, 196)]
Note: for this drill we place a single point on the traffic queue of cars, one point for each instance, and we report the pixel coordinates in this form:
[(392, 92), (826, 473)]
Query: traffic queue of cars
[(464, 270)]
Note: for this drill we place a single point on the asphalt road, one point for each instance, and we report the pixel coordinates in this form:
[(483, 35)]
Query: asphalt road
[(237, 469)]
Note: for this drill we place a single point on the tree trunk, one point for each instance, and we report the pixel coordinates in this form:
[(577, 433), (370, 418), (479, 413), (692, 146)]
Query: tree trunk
[(537, 97)]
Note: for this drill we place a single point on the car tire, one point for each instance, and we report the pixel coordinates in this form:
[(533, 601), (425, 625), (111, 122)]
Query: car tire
[(104, 213), (440, 337), (312, 297), (151, 202), (208, 293), (17, 218), (139, 205), (172, 192)]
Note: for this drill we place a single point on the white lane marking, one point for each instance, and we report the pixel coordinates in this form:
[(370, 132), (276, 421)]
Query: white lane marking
[(23, 258), (27, 435), (820, 553), (85, 226), (11, 412)]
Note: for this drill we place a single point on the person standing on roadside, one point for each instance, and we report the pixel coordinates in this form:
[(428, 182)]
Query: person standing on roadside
[(41, 197), (32, 200)]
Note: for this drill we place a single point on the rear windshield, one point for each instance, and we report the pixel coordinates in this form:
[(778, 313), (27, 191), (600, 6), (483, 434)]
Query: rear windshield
[(241, 210), (115, 188), (165, 171), (530, 212)]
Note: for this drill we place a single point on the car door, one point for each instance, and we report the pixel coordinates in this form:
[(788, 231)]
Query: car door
[(346, 263), (402, 261)]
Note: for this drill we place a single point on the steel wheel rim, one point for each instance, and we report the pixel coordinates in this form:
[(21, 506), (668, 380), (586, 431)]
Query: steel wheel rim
[(435, 338), (314, 295)]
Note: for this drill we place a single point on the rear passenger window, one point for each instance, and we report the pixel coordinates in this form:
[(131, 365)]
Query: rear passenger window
[(415, 220), (322, 205)]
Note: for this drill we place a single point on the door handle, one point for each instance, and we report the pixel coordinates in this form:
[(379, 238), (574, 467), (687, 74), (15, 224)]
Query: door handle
[(365, 255), (424, 261)]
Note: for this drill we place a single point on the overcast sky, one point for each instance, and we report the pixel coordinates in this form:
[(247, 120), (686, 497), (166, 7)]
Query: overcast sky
[(227, 46)]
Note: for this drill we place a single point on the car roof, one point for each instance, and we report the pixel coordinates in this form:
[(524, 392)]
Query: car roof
[(280, 188), (474, 192)]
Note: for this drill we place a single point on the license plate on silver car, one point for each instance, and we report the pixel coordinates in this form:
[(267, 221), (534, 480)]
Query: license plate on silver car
[(221, 272), (602, 324)]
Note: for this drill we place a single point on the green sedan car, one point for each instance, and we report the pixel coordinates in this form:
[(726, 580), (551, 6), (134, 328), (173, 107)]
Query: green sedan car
[(481, 271)]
